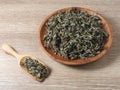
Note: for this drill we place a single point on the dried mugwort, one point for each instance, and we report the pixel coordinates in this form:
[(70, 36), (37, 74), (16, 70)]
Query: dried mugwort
[(34, 67), (75, 34)]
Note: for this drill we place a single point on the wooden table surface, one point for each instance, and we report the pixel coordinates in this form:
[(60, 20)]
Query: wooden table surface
[(19, 23)]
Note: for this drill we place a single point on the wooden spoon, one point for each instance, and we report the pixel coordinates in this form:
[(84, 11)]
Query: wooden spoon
[(42, 31), (9, 50)]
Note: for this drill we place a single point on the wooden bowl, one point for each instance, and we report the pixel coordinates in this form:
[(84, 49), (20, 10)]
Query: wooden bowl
[(42, 32)]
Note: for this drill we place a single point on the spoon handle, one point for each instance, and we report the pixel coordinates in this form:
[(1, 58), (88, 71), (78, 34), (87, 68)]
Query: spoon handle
[(10, 50)]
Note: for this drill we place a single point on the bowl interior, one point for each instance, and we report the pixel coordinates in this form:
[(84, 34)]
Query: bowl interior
[(107, 28)]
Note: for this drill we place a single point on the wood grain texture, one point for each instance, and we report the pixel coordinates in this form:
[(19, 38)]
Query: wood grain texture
[(19, 23)]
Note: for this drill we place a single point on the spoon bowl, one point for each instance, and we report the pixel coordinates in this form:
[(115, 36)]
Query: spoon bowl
[(11, 51)]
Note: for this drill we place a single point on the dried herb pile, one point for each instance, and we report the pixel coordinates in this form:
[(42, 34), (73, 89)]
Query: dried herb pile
[(34, 67), (75, 34)]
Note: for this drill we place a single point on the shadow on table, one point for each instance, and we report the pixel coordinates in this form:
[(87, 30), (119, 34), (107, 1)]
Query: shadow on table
[(110, 57)]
